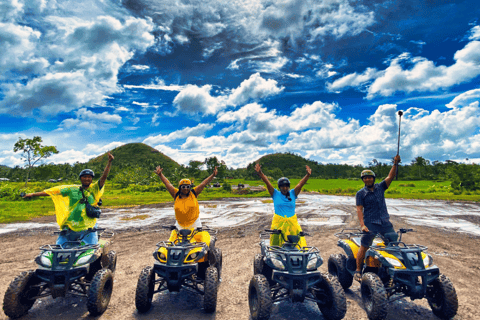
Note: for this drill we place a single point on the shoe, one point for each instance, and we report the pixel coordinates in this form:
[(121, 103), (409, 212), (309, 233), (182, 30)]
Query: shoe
[(357, 276)]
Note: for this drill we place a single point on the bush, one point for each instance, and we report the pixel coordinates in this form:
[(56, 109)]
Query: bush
[(227, 187), (157, 187)]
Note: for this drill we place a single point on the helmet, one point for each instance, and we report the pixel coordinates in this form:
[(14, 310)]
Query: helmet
[(283, 182), (86, 172), (367, 173), (184, 181)]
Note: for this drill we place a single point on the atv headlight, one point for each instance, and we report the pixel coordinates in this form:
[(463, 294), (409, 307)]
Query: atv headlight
[(192, 256), (312, 263), (83, 260), (277, 263), (45, 261), (427, 260), (161, 256), (394, 262)]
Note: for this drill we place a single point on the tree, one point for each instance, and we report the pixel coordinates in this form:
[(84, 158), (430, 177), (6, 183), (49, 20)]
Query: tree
[(213, 162), (33, 152), (194, 168)]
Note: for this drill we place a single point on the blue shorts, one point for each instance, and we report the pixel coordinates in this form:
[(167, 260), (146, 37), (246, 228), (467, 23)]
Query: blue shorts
[(90, 238), (385, 229)]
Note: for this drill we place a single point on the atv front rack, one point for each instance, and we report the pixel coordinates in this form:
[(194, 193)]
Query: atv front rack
[(396, 247), (348, 233)]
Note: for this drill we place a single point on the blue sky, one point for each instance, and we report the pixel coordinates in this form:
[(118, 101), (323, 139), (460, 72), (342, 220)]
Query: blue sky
[(240, 79)]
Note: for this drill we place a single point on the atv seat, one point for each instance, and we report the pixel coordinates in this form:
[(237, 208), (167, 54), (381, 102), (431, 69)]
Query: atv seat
[(184, 232)]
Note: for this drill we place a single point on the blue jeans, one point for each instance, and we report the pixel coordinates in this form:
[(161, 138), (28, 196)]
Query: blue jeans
[(90, 238)]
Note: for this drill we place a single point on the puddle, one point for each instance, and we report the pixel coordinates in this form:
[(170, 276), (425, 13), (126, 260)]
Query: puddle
[(318, 210)]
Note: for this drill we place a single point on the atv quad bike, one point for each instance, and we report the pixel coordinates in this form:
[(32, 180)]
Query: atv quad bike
[(290, 272), (70, 268), (183, 263), (393, 270)]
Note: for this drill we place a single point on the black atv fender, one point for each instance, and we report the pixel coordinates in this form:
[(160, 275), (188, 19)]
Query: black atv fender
[(348, 251)]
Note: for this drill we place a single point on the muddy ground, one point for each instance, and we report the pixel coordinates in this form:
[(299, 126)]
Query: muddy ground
[(457, 255)]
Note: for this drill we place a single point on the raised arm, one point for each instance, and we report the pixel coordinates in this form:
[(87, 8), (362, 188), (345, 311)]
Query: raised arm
[(264, 178), (302, 182), (104, 176), (202, 185), (391, 174), (36, 194), (170, 188)]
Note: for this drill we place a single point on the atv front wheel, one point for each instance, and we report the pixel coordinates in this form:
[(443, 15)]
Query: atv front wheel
[(210, 285), (334, 302), (258, 264), (259, 298), (442, 297), (100, 292), (145, 288), (16, 301), (337, 266), (374, 296), (112, 260)]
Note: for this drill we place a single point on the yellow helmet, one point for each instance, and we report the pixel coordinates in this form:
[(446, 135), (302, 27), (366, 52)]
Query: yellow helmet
[(184, 181)]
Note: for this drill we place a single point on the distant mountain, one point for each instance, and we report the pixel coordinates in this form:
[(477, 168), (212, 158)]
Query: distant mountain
[(136, 154), (283, 164)]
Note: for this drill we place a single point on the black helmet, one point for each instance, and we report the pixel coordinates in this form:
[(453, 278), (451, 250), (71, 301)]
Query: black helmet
[(86, 172), (283, 182)]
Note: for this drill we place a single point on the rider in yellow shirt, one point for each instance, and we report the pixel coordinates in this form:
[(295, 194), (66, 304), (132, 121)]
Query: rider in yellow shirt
[(186, 206)]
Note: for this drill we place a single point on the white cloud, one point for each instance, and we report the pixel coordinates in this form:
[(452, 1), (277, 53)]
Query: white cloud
[(255, 88), (71, 65), (465, 98), (194, 99), (88, 120), (140, 67), (179, 134), (422, 74), (158, 85), (475, 33)]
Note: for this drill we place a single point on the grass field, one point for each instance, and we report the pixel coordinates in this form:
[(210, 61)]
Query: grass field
[(24, 210)]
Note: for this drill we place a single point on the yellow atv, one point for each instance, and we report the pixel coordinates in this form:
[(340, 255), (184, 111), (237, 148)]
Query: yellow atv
[(182, 263), (393, 270)]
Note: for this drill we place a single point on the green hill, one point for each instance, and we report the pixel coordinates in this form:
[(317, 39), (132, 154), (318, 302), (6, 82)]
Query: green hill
[(133, 155), (293, 166)]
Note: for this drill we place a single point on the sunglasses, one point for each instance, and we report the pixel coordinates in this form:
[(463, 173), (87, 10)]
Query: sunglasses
[(185, 187)]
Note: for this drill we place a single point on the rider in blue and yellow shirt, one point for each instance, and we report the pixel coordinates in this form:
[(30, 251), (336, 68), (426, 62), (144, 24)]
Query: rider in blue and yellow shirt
[(284, 201)]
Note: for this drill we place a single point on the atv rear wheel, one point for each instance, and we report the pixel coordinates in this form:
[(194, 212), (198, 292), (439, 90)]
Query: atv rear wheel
[(100, 292), (334, 302), (210, 285), (219, 260), (442, 297), (259, 298), (337, 266), (16, 302), (112, 260), (145, 289), (374, 296)]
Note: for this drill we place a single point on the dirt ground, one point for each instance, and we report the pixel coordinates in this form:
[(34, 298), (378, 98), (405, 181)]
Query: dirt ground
[(457, 255)]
